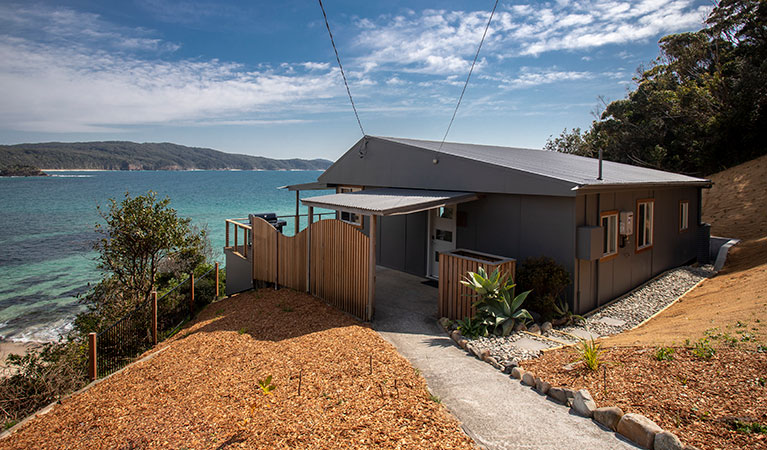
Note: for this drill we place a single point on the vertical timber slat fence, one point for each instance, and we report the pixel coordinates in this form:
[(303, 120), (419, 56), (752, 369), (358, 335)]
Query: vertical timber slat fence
[(148, 323), (455, 299), (337, 258)]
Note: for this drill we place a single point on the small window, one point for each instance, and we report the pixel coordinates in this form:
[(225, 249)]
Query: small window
[(609, 233), (446, 212), (443, 235), (350, 217), (645, 217), (684, 216)]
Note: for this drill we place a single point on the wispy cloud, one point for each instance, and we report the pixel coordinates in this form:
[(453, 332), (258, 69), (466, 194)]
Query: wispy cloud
[(81, 78), (444, 42), (529, 77)]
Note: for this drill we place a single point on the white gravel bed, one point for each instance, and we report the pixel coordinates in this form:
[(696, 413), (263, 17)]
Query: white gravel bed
[(639, 305), (625, 313)]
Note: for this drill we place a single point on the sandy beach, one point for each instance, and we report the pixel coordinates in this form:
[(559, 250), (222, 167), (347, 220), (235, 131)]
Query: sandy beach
[(17, 348)]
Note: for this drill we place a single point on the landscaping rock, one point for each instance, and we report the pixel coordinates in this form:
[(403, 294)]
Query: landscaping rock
[(517, 372), (534, 328), (494, 363), (528, 379), (456, 335), (463, 343), (558, 394), (542, 386), (444, 322), (484, 354), (583, 404), (609, 416), (546, 326), (666, 440), (520, 327), (638, 429), (690, 447)]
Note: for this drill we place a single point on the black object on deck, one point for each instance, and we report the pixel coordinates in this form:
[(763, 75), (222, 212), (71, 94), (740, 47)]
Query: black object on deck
[(273, 220)]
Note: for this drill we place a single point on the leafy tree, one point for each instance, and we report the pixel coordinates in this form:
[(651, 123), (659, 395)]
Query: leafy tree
[(700, 107), (140, 235)]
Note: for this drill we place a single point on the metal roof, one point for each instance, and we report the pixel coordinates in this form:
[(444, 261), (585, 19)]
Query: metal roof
[(311, 186), (388, 201), (579, 170)]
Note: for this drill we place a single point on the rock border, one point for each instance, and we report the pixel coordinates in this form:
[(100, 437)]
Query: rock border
[(635, 427)]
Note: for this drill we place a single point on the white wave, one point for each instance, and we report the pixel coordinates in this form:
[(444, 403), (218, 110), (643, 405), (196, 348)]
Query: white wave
[(53, 332), (71, 176)]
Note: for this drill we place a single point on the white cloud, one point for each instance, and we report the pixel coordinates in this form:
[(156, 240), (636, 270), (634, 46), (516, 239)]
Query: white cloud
[(529, 78), (64, 83)]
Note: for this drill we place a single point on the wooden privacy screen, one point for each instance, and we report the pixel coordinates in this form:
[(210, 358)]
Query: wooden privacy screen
[(291, 260), (340, 259), (264, 242), (455, 299), (339, 262)]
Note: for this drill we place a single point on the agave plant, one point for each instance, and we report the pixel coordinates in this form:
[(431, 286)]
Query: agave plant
[(497, 307)]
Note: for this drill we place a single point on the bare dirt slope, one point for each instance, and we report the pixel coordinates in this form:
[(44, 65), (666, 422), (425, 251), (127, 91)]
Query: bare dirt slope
[(736, 207), (737, 204)]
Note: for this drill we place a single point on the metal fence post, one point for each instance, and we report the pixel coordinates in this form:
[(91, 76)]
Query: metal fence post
[(154, 317), (92, 363), (191, 294), (217, 292)]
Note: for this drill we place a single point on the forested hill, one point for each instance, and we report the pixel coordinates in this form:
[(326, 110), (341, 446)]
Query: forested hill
[(116, 155)]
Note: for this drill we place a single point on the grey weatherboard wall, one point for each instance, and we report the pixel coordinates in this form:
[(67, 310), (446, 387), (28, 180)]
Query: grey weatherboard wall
[(598, 282)]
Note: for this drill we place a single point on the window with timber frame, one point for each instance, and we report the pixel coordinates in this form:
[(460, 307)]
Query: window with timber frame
[(348, 217), (684, 215), (645, 217), (609, 223)]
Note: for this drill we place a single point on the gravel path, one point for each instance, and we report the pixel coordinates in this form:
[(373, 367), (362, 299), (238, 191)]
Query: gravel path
[(624, 314), (641, 304)]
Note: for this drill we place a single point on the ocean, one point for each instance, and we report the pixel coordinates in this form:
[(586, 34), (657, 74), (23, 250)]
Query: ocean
[(47, 231)]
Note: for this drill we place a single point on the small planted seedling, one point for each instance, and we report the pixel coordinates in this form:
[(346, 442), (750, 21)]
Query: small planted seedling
[(241, 330), (664, 354), (703, 350), (590, 352), (434, 398), (266, 385)]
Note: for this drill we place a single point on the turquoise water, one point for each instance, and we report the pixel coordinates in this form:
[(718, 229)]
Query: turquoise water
[(46, 231)]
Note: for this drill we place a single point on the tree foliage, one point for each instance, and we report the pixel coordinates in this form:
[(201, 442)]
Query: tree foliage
[(141, 235), (699, 108)]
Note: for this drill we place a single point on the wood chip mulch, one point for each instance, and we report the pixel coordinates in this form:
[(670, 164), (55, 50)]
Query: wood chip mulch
[(696, 399), (198, 393)]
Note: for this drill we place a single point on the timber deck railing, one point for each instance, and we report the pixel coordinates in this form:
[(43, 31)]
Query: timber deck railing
[(152, 321), (243, 223)]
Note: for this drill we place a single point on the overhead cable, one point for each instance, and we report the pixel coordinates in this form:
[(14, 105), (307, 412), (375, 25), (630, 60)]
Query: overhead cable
[(469, 76), (346, 83)]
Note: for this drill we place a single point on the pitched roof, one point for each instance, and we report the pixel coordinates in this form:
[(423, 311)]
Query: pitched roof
[(579, 170)]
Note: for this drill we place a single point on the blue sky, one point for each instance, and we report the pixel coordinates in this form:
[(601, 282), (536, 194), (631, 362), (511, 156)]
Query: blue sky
[(260, 77)]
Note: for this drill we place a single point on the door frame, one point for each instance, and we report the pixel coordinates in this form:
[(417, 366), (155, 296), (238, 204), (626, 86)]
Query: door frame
[(429, 240)]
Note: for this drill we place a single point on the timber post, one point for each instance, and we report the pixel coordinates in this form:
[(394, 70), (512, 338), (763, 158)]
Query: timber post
[(92, 363), (372, 268), (154, 317), (297, 211), (191, 294), (310, 219), (217, 290)]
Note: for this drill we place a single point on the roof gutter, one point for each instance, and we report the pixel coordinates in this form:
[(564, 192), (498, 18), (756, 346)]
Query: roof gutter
[(665, 184)]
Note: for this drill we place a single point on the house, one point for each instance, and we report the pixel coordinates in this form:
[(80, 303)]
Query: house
[(612, 226)]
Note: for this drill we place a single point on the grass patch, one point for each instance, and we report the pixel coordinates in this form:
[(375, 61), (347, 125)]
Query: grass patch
[(664, 354)]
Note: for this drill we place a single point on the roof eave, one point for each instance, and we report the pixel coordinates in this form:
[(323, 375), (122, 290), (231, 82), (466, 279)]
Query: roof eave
[(596, 187)]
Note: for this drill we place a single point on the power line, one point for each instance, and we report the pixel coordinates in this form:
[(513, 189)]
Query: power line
[(346, 83), (469, 76)]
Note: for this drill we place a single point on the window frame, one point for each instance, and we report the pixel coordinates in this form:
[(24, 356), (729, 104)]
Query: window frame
[(339, 214), (684, 213), (651, 202), (602, 216)]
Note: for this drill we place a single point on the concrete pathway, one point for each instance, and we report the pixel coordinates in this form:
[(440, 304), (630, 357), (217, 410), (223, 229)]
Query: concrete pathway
[(495, 410)]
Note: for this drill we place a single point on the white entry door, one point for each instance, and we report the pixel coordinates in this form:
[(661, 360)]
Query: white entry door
[(441, 235)]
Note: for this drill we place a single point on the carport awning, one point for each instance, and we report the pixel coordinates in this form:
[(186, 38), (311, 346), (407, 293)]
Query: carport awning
[(388, 201)]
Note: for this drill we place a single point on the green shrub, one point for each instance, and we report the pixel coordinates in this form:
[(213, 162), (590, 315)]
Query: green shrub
[(472, 328), (547, 280), (497, 308)]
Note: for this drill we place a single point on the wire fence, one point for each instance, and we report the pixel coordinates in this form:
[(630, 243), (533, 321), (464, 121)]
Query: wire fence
[(140, 329)]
